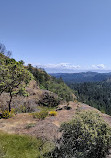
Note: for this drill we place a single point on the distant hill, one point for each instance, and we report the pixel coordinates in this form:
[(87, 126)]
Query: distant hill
[(82, 77)]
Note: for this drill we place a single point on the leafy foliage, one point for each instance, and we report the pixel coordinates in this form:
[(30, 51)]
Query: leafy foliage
[(5, 114), (61, 89), (87, 135), (13, 77)]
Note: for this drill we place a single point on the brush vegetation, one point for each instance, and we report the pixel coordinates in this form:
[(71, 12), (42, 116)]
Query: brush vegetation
[(86, 136)]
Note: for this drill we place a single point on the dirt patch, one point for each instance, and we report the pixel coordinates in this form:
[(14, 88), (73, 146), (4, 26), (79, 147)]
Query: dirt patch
[(46, 129), (14, 124), (107, 118)]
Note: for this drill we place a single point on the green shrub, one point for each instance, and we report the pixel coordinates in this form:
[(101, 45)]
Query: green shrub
[(12, 112), (40, 115), (52, 113), (5, 114), (86, 136)]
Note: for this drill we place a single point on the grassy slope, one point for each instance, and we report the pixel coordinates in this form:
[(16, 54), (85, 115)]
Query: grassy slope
[(16, 146)]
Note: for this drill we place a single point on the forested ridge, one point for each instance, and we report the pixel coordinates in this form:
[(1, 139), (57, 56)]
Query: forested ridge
[(91, 88), (96, 94), (82, 77)]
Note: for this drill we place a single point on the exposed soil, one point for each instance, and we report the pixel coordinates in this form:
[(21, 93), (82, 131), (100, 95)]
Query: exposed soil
[(18, 122), (46, 129)]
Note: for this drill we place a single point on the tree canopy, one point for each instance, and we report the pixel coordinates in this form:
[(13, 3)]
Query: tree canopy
[(96, 94), (13, 76)]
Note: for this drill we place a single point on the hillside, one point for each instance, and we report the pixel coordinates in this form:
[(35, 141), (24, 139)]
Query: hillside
[(82, 77), (38, 88), (48, 129), (36, 97), (45, 81), (40, 115), (96, 94), (91, 88)]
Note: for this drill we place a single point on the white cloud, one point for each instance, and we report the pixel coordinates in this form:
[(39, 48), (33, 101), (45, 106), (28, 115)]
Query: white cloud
[(60, 66), (99, 66)]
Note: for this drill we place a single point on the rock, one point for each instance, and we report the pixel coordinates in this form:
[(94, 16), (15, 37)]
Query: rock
[(67, 108), (62, 107), (49, 99)]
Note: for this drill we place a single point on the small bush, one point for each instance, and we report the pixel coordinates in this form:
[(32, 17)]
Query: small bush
[(52, 113), (40, 115), (12, 112), (5, 114), (86, 136)]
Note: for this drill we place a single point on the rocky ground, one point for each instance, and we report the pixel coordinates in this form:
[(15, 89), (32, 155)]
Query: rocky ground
[(24, 123), (47, 129)]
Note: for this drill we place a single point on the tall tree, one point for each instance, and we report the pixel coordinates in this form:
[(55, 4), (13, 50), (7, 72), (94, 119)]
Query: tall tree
[(13, 76)]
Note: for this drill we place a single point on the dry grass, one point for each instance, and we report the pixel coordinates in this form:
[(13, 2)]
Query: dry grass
[(47, 128)]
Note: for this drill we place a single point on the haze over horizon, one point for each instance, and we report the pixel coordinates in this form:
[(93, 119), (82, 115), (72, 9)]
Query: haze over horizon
[(59, 36)]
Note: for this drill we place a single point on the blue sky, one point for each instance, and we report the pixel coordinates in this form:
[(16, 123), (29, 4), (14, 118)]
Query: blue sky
[(59, 35)]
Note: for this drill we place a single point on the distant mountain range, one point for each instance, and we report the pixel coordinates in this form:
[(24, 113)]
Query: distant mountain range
[(82, 77)]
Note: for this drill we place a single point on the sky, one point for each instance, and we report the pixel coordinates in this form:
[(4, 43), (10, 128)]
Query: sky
[(58, 35)]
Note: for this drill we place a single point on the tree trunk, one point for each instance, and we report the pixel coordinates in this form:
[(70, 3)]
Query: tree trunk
[(9, 105)]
